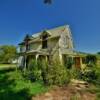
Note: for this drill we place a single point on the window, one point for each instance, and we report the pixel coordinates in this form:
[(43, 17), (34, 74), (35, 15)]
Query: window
[(44, 41)]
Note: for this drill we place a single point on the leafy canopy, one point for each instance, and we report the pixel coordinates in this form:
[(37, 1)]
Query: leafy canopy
[(7, 53)]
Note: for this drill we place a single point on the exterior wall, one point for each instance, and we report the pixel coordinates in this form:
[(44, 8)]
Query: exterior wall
[(52, 43), (22, 48), (65, 44), (35, 46), (56, 56)]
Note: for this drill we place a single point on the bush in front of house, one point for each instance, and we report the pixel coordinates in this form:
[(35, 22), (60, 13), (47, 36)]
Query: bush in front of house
[(33, 72), (51, 74), (57, 74), (92, 75), (89, 75), (91, 60), (75, 73), (44, 66), (97, 73)]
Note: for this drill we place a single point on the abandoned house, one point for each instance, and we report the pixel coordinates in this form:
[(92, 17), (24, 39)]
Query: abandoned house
[(56, 43)]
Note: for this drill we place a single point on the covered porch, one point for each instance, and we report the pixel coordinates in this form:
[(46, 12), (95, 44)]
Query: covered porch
[(73, 60), (32, 55)]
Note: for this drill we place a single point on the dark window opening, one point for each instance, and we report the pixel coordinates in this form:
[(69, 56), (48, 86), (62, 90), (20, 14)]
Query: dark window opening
[(44, 41), (26, 41), (68, 61)]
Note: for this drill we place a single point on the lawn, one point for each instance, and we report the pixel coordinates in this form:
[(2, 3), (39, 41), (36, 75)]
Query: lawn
[(14, 87), (4, 66)]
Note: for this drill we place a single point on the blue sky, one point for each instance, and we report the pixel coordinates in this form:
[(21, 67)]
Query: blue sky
[(18, 17)]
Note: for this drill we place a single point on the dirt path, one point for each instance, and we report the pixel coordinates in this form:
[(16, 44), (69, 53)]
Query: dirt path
[(66, 93)]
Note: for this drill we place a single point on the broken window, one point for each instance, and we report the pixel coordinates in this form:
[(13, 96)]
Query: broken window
[(44, 41)]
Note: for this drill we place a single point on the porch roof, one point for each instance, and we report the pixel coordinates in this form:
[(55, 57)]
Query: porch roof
[(34, 52), (73, 53)]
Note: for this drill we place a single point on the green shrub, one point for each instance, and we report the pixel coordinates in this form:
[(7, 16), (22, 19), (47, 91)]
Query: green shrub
[(33, 72), (91, 60), (51, 74), (44, 70), (97, 72), (75, 73), (57, 74), (89, 76), (68, 63)]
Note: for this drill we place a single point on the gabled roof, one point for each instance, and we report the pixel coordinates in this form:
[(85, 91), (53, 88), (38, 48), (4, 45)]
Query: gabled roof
[(54, 32)]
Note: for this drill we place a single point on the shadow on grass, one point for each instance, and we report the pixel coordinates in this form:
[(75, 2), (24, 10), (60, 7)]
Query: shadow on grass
[(7, 85), (6, 70)]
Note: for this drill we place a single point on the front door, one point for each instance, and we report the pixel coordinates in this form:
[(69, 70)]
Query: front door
[(77, 62)]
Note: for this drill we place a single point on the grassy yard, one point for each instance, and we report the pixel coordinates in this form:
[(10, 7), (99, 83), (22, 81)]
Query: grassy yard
[(14, 87), (4, 66)]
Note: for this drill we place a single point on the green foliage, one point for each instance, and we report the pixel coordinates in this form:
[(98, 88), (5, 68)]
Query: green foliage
[(44, 70), (97, 72), (7, 53), (98, 53), (14, 87), (89, 76), (91, 60), (89, 73), (75, 73), (57, 74), (33, 72), (69, 62), (50, 73)]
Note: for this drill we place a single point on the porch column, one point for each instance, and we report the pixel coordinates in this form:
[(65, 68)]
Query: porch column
[(37, 56), (81, 62), (61, 59), (25, 63), (46, 59)]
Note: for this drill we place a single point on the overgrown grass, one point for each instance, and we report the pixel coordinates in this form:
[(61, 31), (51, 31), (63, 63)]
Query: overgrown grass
[(14, 87), (4, 66)]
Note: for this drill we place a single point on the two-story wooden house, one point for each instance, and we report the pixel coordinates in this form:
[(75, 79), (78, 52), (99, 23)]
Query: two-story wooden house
[(54, 43)]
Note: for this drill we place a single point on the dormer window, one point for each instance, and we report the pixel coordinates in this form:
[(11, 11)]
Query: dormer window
[(44, 36), (26, 40), (44, 41)]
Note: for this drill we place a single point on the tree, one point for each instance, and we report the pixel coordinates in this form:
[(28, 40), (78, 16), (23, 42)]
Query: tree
[(98, 53), (7, 53), (91, 60)]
